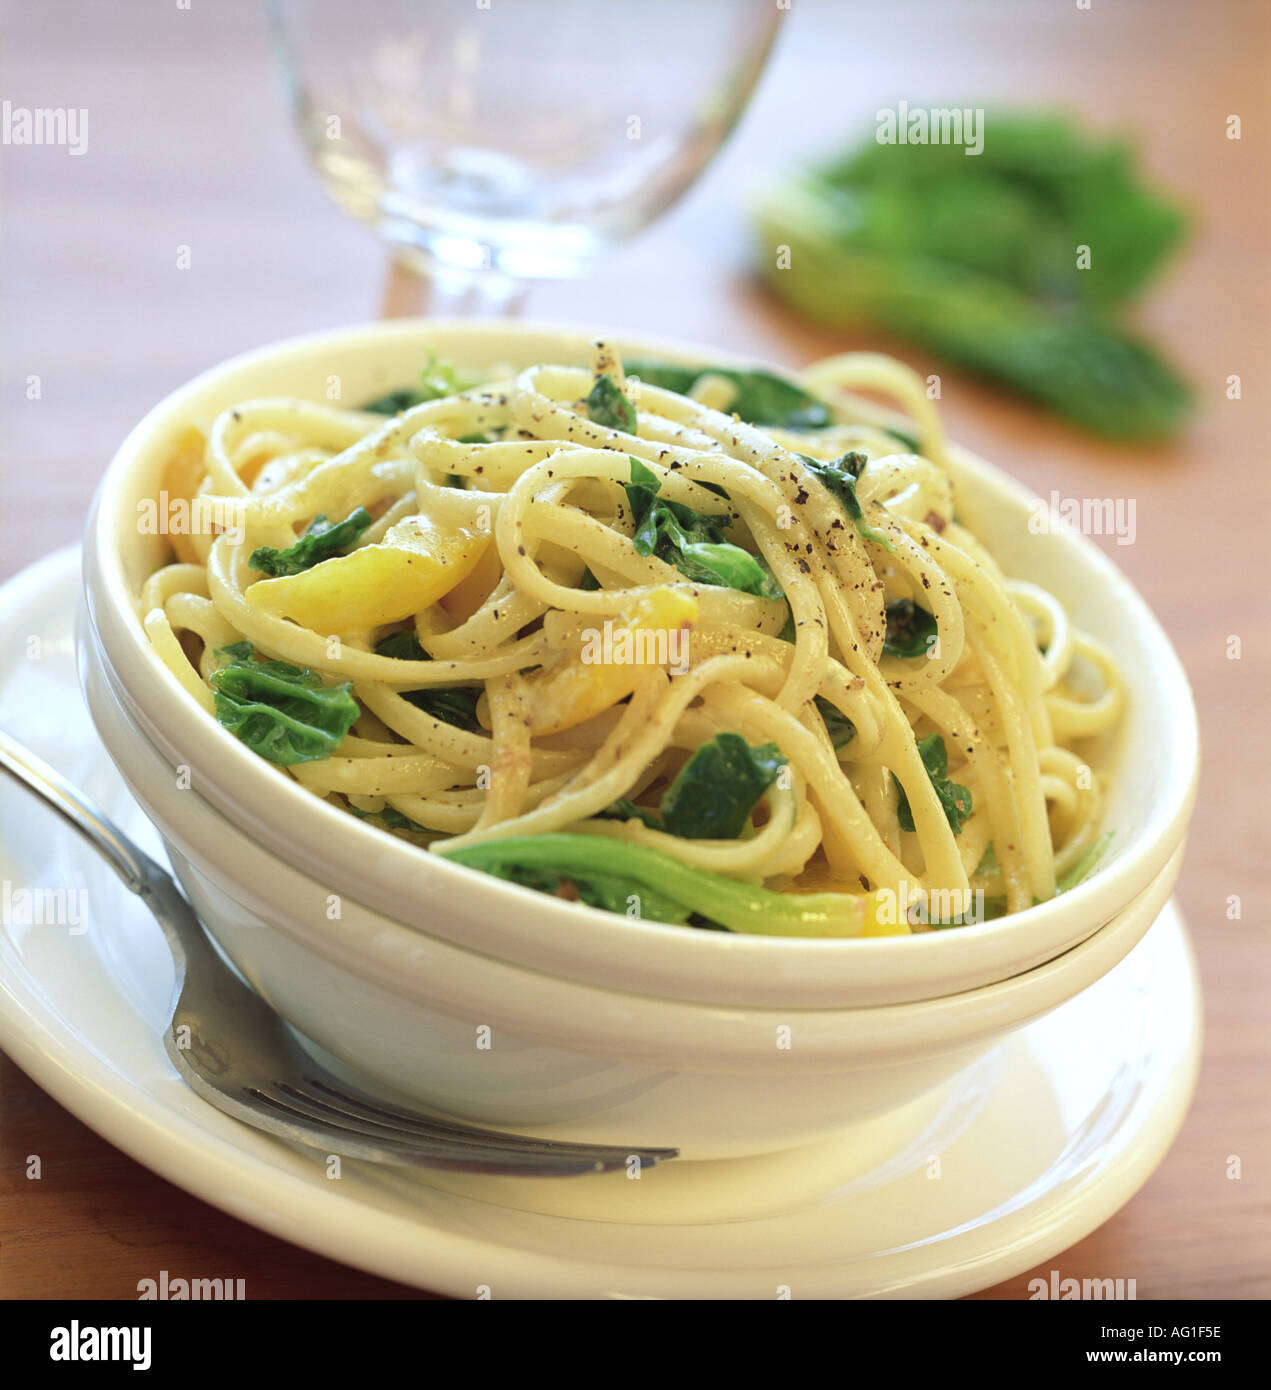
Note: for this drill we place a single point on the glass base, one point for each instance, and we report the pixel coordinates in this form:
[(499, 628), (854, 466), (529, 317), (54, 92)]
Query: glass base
[(418, 286)]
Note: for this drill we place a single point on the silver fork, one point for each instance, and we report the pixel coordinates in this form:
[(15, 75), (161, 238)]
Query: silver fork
[(235, 1051)]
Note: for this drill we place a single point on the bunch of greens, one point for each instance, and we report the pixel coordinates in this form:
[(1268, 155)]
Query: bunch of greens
[(286, 714), (714, 792), (980, 259), (691, 541)]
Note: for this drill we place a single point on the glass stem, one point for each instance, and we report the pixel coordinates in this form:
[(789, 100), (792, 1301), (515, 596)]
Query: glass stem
[(413, 290)]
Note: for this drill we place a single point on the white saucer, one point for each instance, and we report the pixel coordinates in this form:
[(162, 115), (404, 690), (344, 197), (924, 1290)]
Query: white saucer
[(1027, 1152)]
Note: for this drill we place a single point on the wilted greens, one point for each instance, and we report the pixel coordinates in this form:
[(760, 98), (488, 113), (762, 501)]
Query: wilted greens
[(322, 540), (760, 398), (714, 792), (954, 798), (286, 714), (692, 541), (452, 704), (643, 882)]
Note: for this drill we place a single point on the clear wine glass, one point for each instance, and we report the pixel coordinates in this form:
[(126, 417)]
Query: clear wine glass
[(495, 142)]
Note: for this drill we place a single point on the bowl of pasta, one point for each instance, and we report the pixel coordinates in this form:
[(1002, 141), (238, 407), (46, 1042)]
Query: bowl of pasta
[(622, 662), (422, 1019)]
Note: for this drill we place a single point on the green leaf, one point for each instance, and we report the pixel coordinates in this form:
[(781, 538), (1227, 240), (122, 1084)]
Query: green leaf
[(839, 727), (911, 631), (608, 405), (662, 884), (452, 704), (955, 799), (840, 477), (693, 542), (761, 397), (715, 792), (402, 646), (320, 542), (284, 713)]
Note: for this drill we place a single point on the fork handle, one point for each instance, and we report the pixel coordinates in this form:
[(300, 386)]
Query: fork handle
[(132, 865)]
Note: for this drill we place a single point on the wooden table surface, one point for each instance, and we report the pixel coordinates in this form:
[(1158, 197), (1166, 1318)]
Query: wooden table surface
[(188, 145)]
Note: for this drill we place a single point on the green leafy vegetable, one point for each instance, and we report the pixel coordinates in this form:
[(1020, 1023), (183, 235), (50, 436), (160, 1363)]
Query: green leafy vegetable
[(438, 379), (402, 646), (322, 540), (452, 704), (284, 713), (761, 398), (911, 630), (840, 475), (714, 793), (978, 260), (691, 541), (839, 727), (666, 889), (720, 785), (609, 406), (955, 799)]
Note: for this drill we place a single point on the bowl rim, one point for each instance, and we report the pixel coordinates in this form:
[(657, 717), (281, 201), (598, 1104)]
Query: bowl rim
[(361, 860)]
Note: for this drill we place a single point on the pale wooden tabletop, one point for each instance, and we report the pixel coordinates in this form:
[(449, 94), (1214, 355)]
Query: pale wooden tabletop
[(188, 145)]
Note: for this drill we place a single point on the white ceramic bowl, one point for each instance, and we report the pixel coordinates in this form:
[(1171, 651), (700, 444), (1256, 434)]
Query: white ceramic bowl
[(492, 1041), (1149, 804)]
